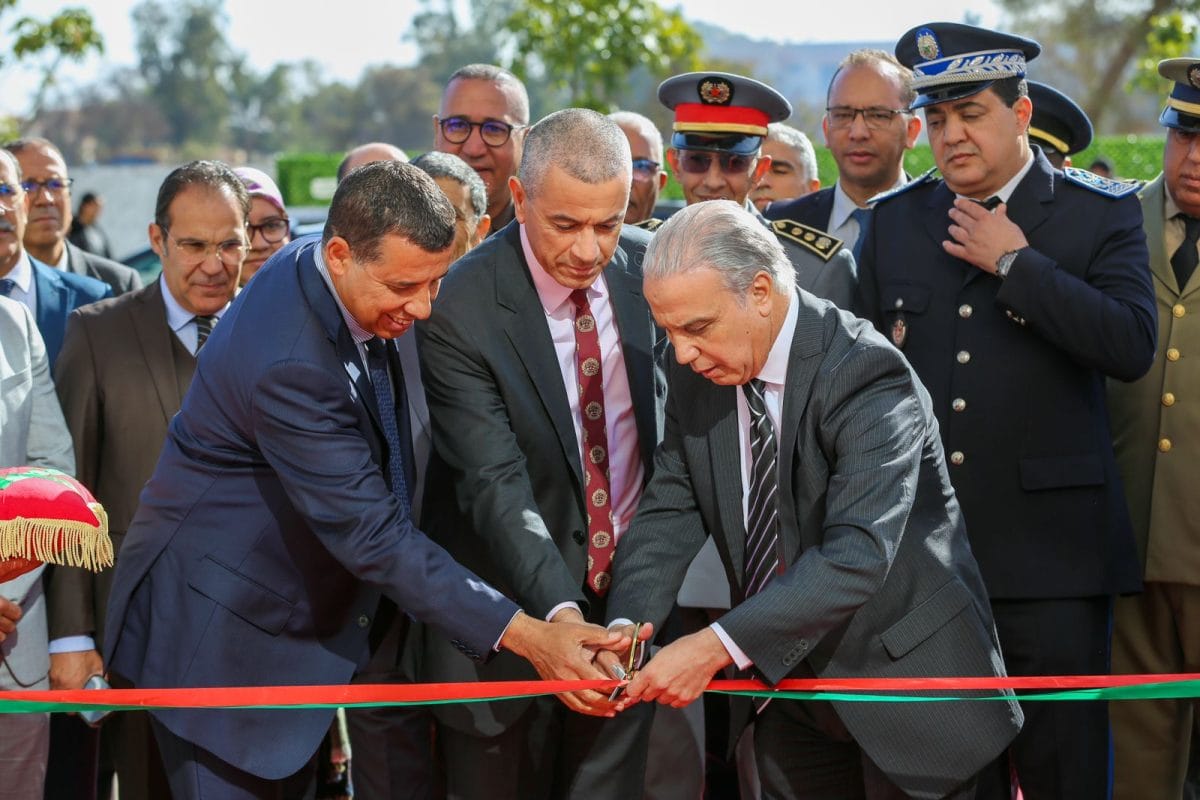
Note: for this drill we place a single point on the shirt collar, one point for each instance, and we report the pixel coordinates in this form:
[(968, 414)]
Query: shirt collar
[(64, 260), (22, 273), (844, 206), (1170, 210), (357, 333), (1006, 191), (774, 371), (551, 293), (177, 315)]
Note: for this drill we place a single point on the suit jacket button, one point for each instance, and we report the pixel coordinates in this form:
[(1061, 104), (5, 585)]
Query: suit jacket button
[(1172, 354), (959, 404), (1168, 399), (363, 620), (803, 645), (1164, 445), (963, 356), (578, 537), (957, 458), (965, 311), (1178, 310)]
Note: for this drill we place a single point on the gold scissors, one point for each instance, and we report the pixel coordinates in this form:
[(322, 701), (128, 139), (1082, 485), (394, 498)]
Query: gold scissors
[(637, 651)]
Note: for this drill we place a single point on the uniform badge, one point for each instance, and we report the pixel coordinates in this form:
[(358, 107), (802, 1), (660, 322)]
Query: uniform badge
[(899, 332), (1193, 76), (716, 91), (927, 44)]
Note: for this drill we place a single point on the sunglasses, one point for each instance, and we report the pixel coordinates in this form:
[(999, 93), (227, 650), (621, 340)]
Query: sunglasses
[(696, 162)]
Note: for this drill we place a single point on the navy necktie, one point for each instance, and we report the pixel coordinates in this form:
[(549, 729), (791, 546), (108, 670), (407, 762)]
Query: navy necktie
[(762, 510), (863, 217), (1183, 260), (204, 327), (6, 286), (390, 399)]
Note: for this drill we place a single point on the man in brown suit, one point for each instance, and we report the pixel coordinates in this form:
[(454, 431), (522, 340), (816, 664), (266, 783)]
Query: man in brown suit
[(1156, 430), (122, 374)]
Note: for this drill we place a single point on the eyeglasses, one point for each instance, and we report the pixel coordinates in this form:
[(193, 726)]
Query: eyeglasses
[(53, 185), (194, 251), (493, 132), (9, 194), (696, 162), (645, 169), (273, 229), (875, 118)]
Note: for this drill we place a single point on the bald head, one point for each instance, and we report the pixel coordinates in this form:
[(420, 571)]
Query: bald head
[(368, 154)]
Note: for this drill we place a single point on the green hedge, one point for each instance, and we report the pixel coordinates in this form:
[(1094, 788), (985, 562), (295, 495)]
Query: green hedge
[(307, 179)]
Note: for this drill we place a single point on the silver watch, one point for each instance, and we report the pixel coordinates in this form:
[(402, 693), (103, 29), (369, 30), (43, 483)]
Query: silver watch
[(1004, 263)]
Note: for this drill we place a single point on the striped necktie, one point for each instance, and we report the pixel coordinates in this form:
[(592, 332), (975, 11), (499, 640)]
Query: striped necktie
[(204, 327), (762, 510)]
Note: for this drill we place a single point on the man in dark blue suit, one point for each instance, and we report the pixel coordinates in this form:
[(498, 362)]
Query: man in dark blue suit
[(50, 294), (279, 511), (1014, 290)]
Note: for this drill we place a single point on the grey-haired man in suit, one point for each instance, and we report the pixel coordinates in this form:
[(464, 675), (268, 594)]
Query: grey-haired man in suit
[(805, 445)]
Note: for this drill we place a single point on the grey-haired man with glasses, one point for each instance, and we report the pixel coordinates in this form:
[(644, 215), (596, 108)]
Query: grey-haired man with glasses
[(482, 119), (124, 369)]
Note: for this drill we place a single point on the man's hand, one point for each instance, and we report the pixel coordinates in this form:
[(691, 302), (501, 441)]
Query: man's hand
[(564, 651), (10, 612), (980, 236), (71, 670), (678, 673)]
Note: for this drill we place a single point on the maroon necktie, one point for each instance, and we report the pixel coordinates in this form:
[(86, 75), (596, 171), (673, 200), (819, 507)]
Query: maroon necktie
[(597, 496)]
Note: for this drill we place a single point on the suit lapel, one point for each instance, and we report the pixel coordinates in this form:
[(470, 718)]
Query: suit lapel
[(149, 317), (526, 328), (724, 450), (636, 331), (803, 361), (1154, 205), (52, 305)]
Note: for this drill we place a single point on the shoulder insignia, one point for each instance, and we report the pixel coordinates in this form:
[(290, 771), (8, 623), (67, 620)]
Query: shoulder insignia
[(814, 239), (926, 177), (1110, 187), (652, 224)]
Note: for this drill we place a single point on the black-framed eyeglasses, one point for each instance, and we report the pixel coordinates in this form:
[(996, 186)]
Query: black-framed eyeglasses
[(645, 169), (493, 132), (696, 162), (875, 117), (230, 252), (273, 229), (51, 185), (9, 194)]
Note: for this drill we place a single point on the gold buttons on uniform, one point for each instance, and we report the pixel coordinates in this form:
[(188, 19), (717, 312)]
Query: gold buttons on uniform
[(965, 310), (1178, 310), (1164, 445), (1172, 354), (957, 457), (1168, 399), (963, 356), (959, 404)]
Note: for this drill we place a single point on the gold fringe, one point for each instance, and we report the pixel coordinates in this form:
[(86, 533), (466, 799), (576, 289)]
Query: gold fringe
[(63, 542)]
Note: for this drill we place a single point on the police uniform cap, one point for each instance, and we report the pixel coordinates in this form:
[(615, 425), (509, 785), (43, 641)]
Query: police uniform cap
[(951, 61), (1183, 104), (720, 111), (1057, 121)]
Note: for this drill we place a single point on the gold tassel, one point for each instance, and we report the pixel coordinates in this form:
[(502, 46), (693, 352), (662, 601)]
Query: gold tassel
[(62, 542)]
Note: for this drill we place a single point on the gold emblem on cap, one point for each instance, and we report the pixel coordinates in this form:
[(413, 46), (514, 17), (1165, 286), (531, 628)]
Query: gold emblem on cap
[(927, 45), (716, 91), (1193, 76)]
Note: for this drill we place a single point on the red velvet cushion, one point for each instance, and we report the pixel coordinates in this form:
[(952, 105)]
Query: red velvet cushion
[(48, 517)]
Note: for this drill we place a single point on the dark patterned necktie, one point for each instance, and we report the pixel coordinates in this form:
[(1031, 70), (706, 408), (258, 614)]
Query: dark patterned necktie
[(6, 286), (204, 327), (762, 509), (382, 385), (1183, 261), (596, 488)]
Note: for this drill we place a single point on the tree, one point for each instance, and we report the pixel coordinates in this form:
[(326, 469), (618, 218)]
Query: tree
[(590, 47), (69, 35)]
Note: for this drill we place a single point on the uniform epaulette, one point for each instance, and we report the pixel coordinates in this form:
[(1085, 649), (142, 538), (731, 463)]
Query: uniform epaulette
[(1110, 187), (808, 237), (652, 224), (926, 177)]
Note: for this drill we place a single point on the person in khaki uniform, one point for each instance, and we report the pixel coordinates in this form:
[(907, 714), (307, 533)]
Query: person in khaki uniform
[(1156, 429)]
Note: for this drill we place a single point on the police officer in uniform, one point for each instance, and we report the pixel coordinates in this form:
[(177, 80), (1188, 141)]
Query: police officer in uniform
[(1014, 290), (720, 122), (1059, 126), (1156, 429)]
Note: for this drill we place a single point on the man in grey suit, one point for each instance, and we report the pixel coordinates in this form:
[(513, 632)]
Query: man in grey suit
[(32, 431), (44, 177), (545, 399), (823, 482)]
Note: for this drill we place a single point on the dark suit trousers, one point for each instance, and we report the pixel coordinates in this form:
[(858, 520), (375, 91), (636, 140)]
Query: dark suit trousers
[(804, 752), (196, 774), (551, 753), (1063, 752)]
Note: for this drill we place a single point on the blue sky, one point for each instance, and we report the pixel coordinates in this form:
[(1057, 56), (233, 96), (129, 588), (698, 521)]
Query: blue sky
[(373, 30)]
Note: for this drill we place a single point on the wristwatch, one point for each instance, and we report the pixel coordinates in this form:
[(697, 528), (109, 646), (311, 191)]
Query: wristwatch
[(1004, 263)]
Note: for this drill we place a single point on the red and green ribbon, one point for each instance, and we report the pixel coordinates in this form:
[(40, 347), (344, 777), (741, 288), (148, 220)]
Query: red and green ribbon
[(855, 690)]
